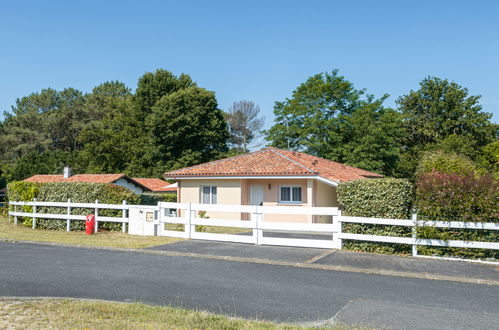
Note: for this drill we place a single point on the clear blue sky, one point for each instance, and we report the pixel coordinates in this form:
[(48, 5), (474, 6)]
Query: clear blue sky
[(256, 50)]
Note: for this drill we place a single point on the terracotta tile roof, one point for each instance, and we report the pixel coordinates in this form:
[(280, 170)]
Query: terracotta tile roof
[(156, 185), (275, 162), (93, 178)]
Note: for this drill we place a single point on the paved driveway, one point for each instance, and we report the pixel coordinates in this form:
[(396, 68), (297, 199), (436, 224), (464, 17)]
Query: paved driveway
[(357, 260), (253, 290)]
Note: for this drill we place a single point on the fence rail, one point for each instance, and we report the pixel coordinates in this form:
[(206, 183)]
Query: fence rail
[(332, 234), (69, 206)]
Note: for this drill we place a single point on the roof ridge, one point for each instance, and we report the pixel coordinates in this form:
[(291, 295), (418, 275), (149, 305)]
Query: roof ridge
[(217, 161), (291, 160), (338, 163)]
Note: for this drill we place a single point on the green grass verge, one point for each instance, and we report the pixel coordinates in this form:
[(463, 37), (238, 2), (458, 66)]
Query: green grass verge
[(112, 239), (87, 314)]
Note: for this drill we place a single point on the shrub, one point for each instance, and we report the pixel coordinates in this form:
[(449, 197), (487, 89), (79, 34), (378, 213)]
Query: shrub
[(382, 198), (444, 162), (78, 192), (23, 191), (452, 197), (153, 199)]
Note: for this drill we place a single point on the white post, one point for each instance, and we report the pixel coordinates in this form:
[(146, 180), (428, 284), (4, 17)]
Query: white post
[(124, 215), (337, 242), (96, 215), (188, 228), (414, 231), (34, 211), (68, 221), (254, 217), (15, 217)]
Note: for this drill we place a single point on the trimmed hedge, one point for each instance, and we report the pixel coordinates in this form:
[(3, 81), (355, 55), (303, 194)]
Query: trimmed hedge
[(452, 197), (153, 199), (380, 198), (78, 192)]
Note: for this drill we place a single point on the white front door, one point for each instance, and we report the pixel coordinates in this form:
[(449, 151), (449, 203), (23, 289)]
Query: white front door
[(256, 194)]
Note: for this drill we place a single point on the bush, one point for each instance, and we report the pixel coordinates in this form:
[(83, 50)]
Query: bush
[(153, 199), (444, 162), (78, 192), (381, 198), (452, 197), (22, 191)]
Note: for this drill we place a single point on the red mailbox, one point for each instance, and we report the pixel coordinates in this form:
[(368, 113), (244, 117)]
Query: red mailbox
[(90, 224)]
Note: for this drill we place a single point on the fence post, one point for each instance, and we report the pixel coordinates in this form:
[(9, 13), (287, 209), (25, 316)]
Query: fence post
[(34, 218), (68, 221), (96, 215), (337, 242), (15, 217), (188, 227), (414, 231), (255, 217), (124, 215)]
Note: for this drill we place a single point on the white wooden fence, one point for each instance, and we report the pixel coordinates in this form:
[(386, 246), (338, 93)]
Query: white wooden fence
[(332, 235), (335, 240), (68, 217)]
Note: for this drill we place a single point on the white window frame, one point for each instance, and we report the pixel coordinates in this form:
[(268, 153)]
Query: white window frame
[(291, 201), (211, 195)]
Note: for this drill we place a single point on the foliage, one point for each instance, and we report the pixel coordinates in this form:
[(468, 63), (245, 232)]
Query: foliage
[(187, 117), (453, 197), (328, 117), (78, 192), (244, 124), (23, 191), (489, 158), (442, 196), (31, 163), (153, 199), (381, 198), (169, 122), (443, 162), (438, 110)]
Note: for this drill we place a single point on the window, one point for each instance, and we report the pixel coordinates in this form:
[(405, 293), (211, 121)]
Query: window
[(290, 194), (209, 195)]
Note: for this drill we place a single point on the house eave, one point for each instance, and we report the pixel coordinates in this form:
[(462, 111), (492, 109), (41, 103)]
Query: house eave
[(316, 177)]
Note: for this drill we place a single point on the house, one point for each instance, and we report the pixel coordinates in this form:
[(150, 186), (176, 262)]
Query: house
[(117, 179), (269, 177), (157, 186)]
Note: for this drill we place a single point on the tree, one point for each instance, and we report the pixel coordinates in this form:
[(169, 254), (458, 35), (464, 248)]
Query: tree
[(187, 128), (438, 110), (244, 124), (327, 117), (108, 137)]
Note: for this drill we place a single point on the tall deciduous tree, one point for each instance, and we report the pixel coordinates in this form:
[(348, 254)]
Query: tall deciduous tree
[(181, 124), (326, 116), (244, 124), (442, 113)]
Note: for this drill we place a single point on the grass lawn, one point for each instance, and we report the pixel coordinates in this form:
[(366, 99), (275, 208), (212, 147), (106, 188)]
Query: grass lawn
[(114, 239), (87, 314)]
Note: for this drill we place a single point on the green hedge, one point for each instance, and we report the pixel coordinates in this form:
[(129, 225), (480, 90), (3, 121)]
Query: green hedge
[(381, 198), (452, 197), (78, 192), (153, 199)]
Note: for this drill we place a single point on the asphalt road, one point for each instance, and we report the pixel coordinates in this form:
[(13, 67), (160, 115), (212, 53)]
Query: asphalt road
[(251, 290)]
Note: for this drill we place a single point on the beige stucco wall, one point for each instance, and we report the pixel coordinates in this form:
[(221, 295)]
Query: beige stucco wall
[(324, 196), (271, 197), (237, 192), (228, 193)]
